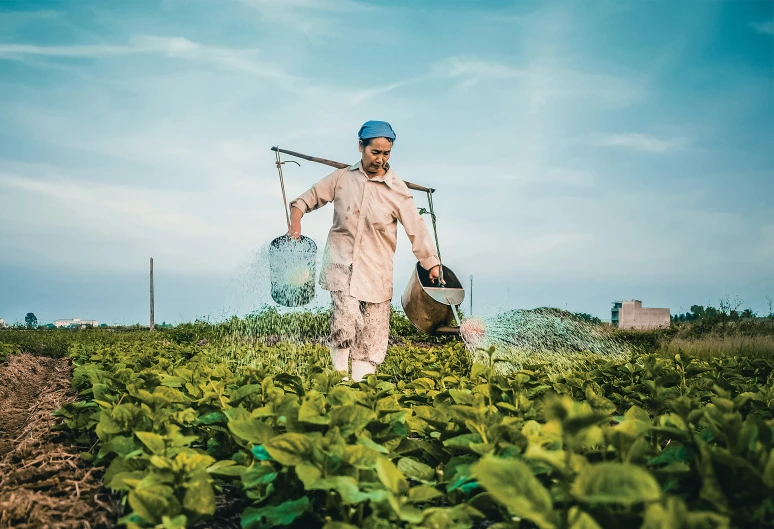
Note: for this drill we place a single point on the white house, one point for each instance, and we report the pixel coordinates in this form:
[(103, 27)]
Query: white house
[(2, 323), (77, 322)]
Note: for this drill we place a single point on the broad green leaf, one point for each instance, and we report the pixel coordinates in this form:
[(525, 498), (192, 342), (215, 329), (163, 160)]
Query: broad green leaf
[(289, 449), (258, 475), (573, 425), (153, 441), (341, 396), (672, 454), (227, 468), (360, 457), (251, 430), (312, 409), (308, 474), (192, 461), (351, 418), (582, 520), (120, 465), (462, 516), (163, 396), (346, 486), (768, 470), (599, 404), (463, 442), (461, 396), (274, 515), (673, 514), (172, 382), (407, 513), (242, 392), (199, 497), (423, 493), (260, 453), (122, 480), (555, 459), (178, 522), (151, 503), (367, 442), (107, 426), (216, 417), (415, 469), (161, 462), (511, 483), (616, 483), (635, 413), (120, 444), (390, 476)]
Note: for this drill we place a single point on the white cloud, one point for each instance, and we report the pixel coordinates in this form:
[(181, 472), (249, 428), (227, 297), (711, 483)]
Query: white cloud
[(473, 67), (545, 82), (308, 17), (641, 142), (347, 6), (79, 51), (241, 60), (766, 28)]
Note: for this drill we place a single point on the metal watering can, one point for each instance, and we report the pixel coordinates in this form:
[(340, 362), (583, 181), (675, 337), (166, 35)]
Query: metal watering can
[(292, 269), (431, 307)]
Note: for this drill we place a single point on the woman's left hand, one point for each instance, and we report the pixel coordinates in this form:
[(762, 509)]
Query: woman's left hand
[(435, 273)]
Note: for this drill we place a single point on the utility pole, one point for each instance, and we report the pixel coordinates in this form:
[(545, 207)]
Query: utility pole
[(151, 293), (471, 294)]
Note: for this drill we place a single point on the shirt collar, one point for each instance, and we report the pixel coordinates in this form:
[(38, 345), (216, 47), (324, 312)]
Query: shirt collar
[(387, 178)]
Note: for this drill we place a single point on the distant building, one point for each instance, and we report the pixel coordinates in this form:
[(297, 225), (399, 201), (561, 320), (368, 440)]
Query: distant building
[(632, 315), (2, 323), (76, 322)]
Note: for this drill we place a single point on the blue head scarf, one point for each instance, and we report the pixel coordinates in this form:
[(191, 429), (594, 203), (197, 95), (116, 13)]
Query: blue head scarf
[(376, 129)]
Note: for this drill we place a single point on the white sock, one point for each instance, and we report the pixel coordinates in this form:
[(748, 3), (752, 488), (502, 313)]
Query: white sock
[(361, 369)]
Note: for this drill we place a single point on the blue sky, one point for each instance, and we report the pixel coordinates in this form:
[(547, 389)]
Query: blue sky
[(583, 152)]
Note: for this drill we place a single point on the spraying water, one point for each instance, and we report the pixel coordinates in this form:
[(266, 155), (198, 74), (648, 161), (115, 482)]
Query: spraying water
[(553, 338), (521, 338)]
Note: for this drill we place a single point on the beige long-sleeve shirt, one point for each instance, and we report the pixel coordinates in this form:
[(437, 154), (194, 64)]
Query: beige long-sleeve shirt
[(358, 255)]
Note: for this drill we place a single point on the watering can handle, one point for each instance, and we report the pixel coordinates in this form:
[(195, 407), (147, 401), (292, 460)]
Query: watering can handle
[(339, 165)]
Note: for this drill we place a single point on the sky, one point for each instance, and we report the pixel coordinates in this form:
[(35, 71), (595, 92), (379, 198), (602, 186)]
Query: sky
[(583, 152)]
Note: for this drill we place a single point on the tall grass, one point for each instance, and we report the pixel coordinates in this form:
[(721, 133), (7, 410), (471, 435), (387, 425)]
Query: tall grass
[(707, 347)]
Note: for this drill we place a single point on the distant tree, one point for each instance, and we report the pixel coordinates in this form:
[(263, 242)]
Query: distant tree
[(747, 313), (31, 320), (588, 317)]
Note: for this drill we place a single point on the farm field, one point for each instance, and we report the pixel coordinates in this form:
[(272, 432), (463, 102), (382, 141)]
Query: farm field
[(239, 426)]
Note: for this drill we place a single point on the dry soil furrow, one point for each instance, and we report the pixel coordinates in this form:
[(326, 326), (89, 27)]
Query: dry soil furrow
[(43, 483)]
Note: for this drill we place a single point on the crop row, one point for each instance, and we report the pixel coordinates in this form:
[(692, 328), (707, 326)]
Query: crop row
[(432, 441)]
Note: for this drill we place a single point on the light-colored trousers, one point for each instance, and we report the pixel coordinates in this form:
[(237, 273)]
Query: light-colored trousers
[(364, 327)]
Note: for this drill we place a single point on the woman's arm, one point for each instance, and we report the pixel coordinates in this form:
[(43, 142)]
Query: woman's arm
[(314, 198), (419, 235)]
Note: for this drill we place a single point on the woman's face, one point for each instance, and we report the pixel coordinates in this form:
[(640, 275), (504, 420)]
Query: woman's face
[(375, 155)]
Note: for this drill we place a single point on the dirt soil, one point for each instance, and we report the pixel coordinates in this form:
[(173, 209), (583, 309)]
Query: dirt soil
[(44, 484)]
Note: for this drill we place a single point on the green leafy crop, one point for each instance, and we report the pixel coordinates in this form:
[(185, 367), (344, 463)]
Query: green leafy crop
[(430, 442)]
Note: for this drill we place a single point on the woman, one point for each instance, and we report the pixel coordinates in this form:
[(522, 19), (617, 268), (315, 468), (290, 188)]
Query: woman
[(368, 200)]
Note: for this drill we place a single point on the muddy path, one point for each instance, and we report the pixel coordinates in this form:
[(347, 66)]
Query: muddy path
[(43, 482)]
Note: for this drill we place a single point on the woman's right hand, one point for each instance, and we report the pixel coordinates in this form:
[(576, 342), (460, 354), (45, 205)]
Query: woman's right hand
[(295, 223)]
